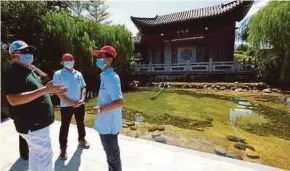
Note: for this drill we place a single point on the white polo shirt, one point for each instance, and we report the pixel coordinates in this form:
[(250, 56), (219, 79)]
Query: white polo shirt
[(73, 81)]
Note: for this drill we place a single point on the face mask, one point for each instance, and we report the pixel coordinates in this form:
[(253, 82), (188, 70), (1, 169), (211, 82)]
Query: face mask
[(101, 63), (69, 64), (26, 59)]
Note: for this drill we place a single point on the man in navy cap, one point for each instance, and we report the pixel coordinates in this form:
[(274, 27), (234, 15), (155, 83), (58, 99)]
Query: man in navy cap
[(108, 121), (71, 103), (30, 105)]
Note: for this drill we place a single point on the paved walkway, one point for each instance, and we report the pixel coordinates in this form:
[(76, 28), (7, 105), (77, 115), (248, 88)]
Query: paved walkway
[(136, 154)]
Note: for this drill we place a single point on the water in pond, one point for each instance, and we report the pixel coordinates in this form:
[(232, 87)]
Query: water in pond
[(243, 109)]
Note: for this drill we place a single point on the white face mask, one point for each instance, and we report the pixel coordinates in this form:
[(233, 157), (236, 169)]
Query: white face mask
[(69, 64)]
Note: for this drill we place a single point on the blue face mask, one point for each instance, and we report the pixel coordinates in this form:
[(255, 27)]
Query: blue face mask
[(26, 59), (101, 63), (68, 64)]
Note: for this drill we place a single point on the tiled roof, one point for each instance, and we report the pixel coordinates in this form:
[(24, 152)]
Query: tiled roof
[(137, 39), (192, 14)]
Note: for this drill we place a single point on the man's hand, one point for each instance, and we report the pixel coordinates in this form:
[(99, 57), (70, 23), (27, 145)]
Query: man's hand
[(54, 89), (79, 103), (96, 110)]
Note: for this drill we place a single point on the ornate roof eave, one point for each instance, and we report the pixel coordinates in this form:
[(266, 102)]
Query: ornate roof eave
[(195, 14)]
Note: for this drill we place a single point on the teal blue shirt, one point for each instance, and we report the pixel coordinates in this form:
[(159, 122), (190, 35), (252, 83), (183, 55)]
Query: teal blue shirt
[(73, 81), (110, 90)]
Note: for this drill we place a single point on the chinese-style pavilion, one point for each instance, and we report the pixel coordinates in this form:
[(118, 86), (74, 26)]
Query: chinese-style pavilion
[(198, 40)]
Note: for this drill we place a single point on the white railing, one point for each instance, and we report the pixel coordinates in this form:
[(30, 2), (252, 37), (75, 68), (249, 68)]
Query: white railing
[(179, 67), (199, 66), (221, 66)]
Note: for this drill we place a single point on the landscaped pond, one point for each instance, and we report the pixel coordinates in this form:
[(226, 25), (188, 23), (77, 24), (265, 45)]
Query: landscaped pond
[(251, 126)]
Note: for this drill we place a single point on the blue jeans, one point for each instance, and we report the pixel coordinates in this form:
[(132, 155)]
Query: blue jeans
[(111, 147)]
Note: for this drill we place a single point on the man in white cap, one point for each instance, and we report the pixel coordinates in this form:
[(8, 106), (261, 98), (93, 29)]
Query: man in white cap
[(108, 121), (30, 105)]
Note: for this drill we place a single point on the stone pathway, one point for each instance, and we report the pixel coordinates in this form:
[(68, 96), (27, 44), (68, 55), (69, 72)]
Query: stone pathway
[(136, 154)]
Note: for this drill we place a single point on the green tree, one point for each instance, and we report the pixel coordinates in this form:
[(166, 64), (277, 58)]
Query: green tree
[(98, 10), (270, 28), (80, 35)]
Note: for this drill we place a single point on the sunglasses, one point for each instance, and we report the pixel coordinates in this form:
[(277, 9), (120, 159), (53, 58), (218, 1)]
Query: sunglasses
[(107, 56), (24, 51)]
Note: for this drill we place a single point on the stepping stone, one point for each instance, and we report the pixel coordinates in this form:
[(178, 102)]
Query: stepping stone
[(220, 151), (199, 129), (242, 146), (233, 156), (252, 155), (235, 139)]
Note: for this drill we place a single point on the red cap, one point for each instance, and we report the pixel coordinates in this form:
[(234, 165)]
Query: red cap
[(106, 49), (67, 56)]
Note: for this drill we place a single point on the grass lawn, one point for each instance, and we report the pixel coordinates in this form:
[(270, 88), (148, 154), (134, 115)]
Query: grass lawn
[(199, 119)]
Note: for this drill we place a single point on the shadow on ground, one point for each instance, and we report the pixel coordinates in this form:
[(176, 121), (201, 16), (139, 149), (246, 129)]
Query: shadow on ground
[(19, 165), (73, 164)]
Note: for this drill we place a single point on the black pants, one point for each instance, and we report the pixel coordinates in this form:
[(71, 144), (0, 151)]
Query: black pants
[(111, 147), (23, 147), (66, 115)]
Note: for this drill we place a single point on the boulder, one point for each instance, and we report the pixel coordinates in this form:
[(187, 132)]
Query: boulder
[(238, 90), (160, 128), (155, 134), (223, 88), (160, 139), (276, 90), (267, 90), (136, 135)]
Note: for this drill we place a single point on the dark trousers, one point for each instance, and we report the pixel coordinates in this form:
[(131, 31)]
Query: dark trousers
[(111, 147), (23, 147), (66, 115)]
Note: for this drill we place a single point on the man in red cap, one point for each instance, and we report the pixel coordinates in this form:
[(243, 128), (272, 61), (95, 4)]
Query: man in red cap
[(71, 103), (108, 121)]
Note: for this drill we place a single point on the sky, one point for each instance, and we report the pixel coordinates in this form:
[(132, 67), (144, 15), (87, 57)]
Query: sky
[(122, 10)]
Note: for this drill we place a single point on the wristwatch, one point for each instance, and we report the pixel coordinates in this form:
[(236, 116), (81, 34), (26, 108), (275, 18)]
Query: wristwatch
[(99, 110)]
